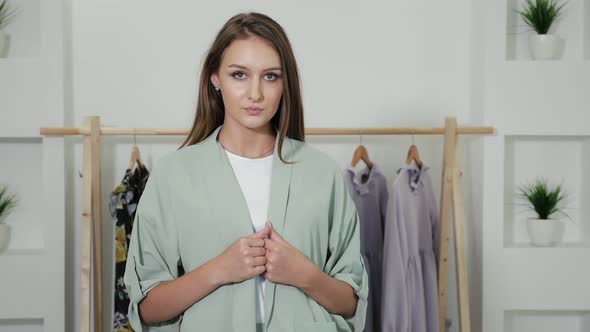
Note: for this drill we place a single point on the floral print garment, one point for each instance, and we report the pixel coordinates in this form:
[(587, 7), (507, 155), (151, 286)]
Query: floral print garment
[(123, 203)]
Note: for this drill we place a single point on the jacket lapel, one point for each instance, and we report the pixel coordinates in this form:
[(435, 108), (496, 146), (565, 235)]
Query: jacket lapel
[(228, 200), (279, 195), (277, 210)]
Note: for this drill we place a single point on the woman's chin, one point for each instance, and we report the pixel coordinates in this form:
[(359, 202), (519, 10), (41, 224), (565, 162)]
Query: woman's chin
[(254, 122)]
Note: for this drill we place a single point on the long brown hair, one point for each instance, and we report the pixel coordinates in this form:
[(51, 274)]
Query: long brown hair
[(288, 121)]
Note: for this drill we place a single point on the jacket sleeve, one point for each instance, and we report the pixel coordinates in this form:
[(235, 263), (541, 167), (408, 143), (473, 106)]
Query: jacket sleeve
[(344, 261), (153, 251), (395, 307)]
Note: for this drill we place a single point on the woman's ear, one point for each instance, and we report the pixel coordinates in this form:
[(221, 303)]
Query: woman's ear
[(215, 80)]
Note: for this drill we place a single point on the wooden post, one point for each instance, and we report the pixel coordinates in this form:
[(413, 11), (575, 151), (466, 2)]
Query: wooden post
[(91, 228), (461, 267), (96, 221), (445, 214), (86, 233), (451, 196)]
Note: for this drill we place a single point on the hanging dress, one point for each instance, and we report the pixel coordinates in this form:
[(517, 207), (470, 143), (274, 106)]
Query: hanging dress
[(368, 188), (123, 204), (410, 286)]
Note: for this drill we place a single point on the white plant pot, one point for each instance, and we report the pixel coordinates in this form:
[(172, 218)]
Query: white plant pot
[(4, 40), (544, 47), (4, 237), (545, 232)]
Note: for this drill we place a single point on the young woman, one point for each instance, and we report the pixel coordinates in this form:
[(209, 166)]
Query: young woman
[(261, 222)]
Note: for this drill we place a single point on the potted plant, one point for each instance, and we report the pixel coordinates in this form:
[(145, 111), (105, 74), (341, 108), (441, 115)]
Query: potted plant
[(7, 203), (5, 16), (540, 15), (546, 202)]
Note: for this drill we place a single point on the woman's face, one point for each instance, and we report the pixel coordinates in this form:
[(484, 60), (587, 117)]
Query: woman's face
[(250, 81)]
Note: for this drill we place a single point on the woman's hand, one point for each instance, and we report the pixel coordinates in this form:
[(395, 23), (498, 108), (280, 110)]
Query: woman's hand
[(244, 259), (285, 264)]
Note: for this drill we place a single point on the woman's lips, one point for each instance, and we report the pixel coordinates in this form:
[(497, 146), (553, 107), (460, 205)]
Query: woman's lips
[(253, 111)]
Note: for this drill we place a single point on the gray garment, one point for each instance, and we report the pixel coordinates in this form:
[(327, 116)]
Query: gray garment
[(369, 192), (410, 295)]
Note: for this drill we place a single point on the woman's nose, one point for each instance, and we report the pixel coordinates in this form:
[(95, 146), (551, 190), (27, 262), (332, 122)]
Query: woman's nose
[(255, 94)]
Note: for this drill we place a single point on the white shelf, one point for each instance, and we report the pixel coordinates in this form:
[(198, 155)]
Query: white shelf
[(547, 261), (32, 97), (562, 160), (526, 245), (551, 255), (567, 27), (546, 321), (22, 252), (549, 278), (6, 140), (6, 62), (18, 271), (21, 170), (21, 325), (24, 30)]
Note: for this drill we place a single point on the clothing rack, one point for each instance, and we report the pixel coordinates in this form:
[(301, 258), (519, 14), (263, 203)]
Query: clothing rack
[(451, 197)]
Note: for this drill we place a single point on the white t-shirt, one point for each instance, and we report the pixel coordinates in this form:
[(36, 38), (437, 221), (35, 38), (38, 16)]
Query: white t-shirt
[(254, 176)]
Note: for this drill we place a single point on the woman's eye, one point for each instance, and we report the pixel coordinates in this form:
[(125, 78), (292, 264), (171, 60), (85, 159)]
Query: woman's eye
[(271, 76), (239, 75)]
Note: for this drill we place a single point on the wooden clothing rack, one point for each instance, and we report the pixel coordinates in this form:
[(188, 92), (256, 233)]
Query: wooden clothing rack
[(451, 196)]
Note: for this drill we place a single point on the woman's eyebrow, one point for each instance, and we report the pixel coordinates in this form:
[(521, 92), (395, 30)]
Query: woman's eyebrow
[(246, 68)]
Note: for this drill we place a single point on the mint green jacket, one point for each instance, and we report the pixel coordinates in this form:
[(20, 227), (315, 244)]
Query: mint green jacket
[(192, 209)]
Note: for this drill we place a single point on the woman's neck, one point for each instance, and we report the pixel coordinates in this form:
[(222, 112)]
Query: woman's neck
[(246, 142)]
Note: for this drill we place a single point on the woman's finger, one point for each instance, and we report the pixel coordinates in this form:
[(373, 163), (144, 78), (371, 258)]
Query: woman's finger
[(270, 245), (260, 260), (258, 269), (255, 242), (256, 251)]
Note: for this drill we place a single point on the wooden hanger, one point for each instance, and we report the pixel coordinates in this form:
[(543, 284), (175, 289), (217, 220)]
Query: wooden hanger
[(135, 155), (135, 158), (413, 155), (361, 154)]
